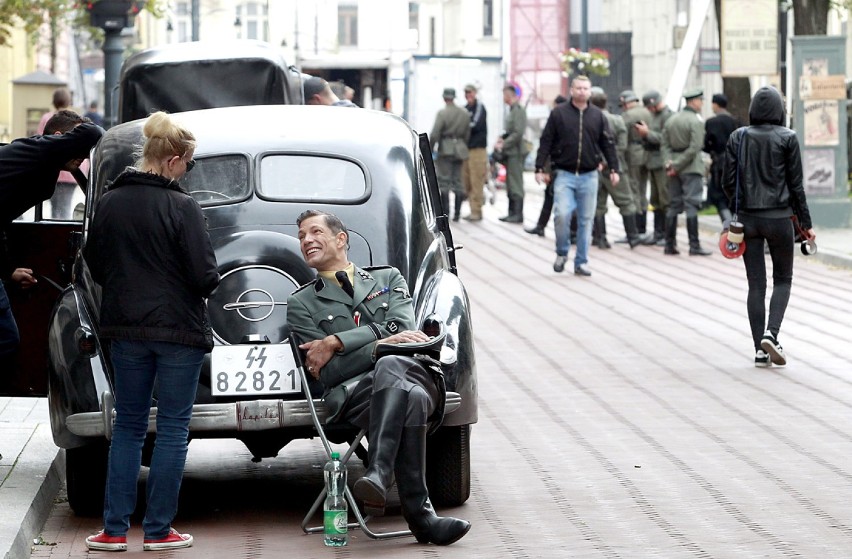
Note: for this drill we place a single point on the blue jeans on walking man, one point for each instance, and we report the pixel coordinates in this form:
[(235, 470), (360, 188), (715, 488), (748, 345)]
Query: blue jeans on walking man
[(138, 364), (574, 191)]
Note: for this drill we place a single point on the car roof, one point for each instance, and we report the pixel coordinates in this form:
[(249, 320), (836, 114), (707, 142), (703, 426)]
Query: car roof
[(204, 52)]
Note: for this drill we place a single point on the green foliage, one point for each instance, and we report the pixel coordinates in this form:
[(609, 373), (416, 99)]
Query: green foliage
[(31, 14)]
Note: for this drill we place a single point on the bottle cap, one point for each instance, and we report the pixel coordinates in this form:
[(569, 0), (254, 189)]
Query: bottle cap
[(335, 456)]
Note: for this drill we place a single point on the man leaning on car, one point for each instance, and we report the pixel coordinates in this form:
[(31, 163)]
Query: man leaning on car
[(29, 168), (343, 314)]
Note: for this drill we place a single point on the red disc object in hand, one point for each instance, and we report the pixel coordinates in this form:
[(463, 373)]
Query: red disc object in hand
[(729, 249)]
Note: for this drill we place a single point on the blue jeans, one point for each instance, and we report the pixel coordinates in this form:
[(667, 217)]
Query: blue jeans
[(570, 192), (137, 365), (9, 337)]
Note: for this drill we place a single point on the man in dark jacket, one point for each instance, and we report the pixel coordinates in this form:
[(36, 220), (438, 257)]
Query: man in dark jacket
[(29, 168), (574, 136), (474, 168), (717, 130)]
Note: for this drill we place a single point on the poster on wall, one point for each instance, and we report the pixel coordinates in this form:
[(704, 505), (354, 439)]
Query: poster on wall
[(749, 37), (818, 171), (815, 67), (821, 123)]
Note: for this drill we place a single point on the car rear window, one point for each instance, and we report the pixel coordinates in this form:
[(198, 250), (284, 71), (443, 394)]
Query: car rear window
[(310, 177), (218, 180)]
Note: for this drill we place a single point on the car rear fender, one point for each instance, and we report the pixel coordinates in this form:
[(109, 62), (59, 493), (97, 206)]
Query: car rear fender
[(76, 380), (444, 295)]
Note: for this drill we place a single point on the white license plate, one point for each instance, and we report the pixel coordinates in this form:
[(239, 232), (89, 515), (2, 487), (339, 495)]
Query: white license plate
[(240, 370)]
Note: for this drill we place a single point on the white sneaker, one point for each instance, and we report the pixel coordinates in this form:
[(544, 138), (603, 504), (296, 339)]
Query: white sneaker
[(771, 346), (761, 359)]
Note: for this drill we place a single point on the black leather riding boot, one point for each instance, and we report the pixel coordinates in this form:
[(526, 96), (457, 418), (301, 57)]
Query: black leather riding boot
[(659, 225), (633, 237), (414, 496), (641, 219), (457, 200), (599, 232), (694, 244), (671, 235), (388, 409)]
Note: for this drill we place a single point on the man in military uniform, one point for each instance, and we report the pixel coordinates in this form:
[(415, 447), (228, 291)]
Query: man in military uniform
[(621, 194), (635, 114), (342, 315), (683, 138), (652, 136), (450, 134), (514, 126)]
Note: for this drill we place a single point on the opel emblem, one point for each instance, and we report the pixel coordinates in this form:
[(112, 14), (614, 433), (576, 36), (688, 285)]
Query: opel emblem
[(267, 301)]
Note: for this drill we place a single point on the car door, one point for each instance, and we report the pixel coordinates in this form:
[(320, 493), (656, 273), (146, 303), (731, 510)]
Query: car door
[(47, 245)]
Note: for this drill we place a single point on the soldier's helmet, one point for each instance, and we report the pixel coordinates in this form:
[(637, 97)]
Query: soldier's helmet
[(627, 96), (651, 98)]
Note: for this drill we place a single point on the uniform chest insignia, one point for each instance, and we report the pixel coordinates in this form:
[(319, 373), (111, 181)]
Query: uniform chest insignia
[(375, 294)]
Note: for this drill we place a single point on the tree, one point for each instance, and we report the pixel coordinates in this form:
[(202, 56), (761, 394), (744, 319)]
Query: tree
[(810, 17)]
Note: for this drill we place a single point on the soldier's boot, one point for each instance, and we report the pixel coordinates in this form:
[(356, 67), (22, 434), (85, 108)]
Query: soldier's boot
[(671, 235), (694, 244), (633, 236), (388, 409), (458, 199), (641, 220), (511, 209), (417, 510), (599, 232), (445, 202), (659, 227)]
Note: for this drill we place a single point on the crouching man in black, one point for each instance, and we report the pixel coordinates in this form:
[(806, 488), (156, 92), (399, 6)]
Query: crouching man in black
[(344, 314)]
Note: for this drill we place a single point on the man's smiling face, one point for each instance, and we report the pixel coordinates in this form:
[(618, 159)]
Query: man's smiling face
[(321, 248)]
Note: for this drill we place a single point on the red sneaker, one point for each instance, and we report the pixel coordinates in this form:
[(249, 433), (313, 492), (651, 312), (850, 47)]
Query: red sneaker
[(173, 540), (104, 542)]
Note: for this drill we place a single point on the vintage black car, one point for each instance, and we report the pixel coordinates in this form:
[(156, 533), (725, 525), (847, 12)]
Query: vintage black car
[(258, 168)]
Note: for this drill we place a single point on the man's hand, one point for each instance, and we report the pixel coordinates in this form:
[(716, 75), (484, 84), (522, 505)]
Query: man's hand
[(542, 177), (319, 353), (614, 178), (72, 165), (642, 129), (25, 277), (405, 336)]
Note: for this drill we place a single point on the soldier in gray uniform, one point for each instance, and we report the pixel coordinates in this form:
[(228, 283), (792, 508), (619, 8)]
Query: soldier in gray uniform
[(683, 139), (634, 114), (342, 315), (620, 194), (450, 134), (652, 136), (514, 125)]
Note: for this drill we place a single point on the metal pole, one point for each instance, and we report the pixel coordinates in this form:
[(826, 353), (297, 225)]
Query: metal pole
[(584, 22), (782, 45), (196, 19), (113, 52)]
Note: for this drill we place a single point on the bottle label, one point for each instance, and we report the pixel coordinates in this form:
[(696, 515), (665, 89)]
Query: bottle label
[(335, 522)]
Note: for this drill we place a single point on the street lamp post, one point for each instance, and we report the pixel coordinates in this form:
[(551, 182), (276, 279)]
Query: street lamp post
[(112, 16)]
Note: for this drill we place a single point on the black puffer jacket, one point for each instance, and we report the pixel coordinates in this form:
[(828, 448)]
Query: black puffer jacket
[(765, 156), (149, 249)]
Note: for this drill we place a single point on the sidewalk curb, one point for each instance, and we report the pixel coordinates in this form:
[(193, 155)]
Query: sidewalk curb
[(28, 493)]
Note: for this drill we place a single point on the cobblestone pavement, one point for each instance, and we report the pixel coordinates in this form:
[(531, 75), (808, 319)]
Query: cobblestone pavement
[(620, 416)]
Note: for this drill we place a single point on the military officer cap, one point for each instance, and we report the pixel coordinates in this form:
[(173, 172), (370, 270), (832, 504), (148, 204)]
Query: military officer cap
[(693, 93), (470, 88), (627, 96), (651, 99), (449, 93)]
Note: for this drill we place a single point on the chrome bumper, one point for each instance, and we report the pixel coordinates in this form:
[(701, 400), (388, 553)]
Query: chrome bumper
[(255, 415)]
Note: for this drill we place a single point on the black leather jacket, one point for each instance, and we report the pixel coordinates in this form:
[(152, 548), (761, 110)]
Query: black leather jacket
[(765, 157)]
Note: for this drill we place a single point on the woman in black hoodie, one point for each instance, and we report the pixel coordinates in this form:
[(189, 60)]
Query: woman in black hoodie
[(763, 181)]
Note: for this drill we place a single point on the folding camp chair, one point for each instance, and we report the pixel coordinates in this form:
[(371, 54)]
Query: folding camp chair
[(317, 410)]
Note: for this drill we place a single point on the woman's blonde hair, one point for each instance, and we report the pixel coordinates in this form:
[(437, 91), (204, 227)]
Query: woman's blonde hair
[(164, 138)]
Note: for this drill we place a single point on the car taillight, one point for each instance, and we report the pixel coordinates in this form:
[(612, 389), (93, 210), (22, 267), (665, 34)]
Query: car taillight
[(87, 344)]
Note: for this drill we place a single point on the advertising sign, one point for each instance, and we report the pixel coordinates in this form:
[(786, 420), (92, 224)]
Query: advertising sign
[(749, 40)]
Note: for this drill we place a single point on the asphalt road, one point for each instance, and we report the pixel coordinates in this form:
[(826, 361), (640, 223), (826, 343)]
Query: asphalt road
[(620, 416)]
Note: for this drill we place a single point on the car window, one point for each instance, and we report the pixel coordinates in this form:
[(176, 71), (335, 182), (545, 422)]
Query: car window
[(300, 177), (219, 179)]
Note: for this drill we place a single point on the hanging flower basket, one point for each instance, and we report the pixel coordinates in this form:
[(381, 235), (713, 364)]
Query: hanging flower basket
[(596, 62)]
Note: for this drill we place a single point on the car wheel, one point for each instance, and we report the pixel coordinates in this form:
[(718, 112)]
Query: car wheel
[(448, 466), (85, 477)]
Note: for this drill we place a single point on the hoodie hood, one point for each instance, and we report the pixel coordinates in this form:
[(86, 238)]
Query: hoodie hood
[(767, 107)]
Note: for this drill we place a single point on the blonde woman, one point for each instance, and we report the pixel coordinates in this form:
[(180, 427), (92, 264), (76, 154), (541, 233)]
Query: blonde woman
[(149, 249)]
